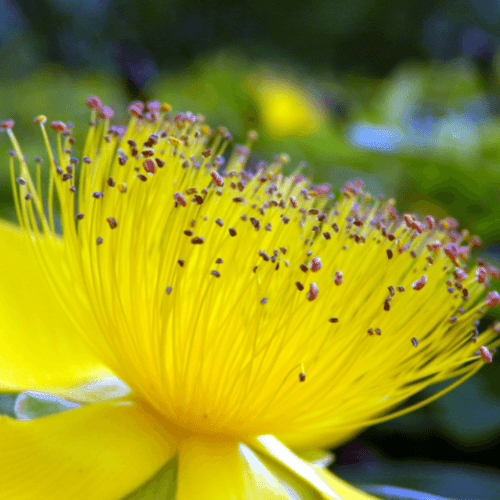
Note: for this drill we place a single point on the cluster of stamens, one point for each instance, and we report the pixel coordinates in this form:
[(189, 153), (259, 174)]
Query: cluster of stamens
[(266, 258)]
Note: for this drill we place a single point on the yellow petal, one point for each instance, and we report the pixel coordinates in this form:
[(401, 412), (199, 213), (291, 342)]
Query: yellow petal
[(344, 489), (39, 349), (100, 451), (223, 470)]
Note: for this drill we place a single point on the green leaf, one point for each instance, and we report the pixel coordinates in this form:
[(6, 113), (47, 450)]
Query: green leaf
[(31, 404), (162, 485)]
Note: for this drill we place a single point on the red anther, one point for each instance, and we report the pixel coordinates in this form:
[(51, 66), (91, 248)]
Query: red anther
[(419, 284), (7, 124), (460, 274), (106, 113), (217, 178), (492, 299), (449, 223), (436, 245), (418, 226), (179, 117), (392, 213), (58, 126), (293, 202), (112, 222), (494, 272), (464, 253), (431, 222), (179, 198), (312, 294), (153, 106), (338, 278), (475, 241), (315, 264), (322, 190), (299, 178), (486, 355), (93, 102), (149, 166), (408, 220), (481, 273), (190, 117), (451, 250), (135, 108)]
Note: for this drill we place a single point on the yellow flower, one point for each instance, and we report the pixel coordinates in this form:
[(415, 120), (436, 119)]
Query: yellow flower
[(247, 314), (286, 109)]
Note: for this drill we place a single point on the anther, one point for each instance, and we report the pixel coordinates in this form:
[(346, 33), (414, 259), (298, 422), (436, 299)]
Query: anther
[(21, 181), (315, 264), (419, 284), (111, 182), (149, 166), (79, 216), (333, 320), (492, 299), (312, 294), (387, 306), (7, 124), (112, 222), (485, 354), (338, 278), (180, 199), (99, 240), (142, 177), (219, 222), (370, 331), (169, 290), (481, 274), (122, 187), (414, 341), (180, 262), (215, 273), (378, 331), (263, 301), (232, 231), (66, 177), (159, 163), (299, 286), (219, 261), (188, 232), (97, 195), (392, 292), (197, 240), (389, 253), (93, 102), (219, 181), (58, 126), (28, 196)]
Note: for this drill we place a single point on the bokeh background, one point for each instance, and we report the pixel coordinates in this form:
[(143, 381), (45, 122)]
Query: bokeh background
[(405, 95)]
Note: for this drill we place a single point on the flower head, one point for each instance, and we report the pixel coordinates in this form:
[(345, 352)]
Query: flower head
[(245, 309)]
